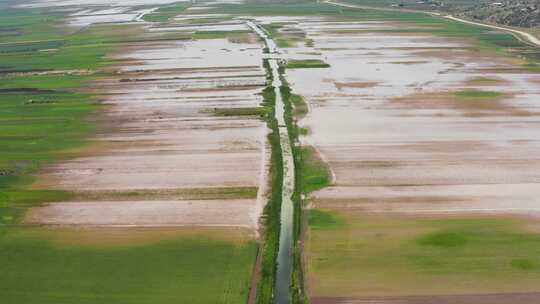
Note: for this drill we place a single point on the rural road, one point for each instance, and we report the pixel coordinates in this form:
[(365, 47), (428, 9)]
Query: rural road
[(522, 35)]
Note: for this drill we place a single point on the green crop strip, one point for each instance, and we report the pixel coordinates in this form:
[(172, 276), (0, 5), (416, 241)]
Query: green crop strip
[(307, 64), (161, 194), (248, 111), (315, 174), (477, 94), (220, 35), (41, 266)]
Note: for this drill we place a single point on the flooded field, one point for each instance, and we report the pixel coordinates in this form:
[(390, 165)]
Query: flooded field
[(167, 133), (179, 158), (417, 130), (265, 153)]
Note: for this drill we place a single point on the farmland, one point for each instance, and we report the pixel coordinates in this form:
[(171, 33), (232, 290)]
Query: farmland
[(68, 110), (265, 152)]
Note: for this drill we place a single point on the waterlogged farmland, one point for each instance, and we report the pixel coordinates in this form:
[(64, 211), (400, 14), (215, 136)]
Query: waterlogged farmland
[(264, 152), (428, 137), (146, 192)]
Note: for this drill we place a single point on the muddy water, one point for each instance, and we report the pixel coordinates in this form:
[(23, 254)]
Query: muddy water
[(380, 127), (401, 144), (165, 134), (84, 13), (286, 238)]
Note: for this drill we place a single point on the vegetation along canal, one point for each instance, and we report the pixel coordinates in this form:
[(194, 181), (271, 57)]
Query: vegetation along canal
[(284, 260)]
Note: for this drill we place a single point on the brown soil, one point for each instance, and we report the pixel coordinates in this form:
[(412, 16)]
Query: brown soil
[(220, 213), (514, 298), (359, 85)]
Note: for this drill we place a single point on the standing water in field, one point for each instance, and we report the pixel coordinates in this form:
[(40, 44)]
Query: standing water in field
[(284, 261)]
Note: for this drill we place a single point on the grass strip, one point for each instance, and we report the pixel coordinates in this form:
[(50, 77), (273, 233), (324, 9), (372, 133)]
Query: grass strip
[(247, 111), (307, 64), (164, 194), (484, 39), (44, 114)]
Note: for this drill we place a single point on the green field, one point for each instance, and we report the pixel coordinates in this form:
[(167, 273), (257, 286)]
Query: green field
[(44, 112), (42, 116), (315, 173), (50, 266), (307, 64), (477, 94), (354, 254)]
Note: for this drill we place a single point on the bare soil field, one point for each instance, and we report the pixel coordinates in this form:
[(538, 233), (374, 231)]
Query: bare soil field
[(147, 214)]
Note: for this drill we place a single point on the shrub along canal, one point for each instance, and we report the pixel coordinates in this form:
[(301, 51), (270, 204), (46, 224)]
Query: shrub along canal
[(284, 258)]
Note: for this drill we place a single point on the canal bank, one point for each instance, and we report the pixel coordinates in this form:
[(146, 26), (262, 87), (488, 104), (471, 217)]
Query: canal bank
[(284, 261)]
